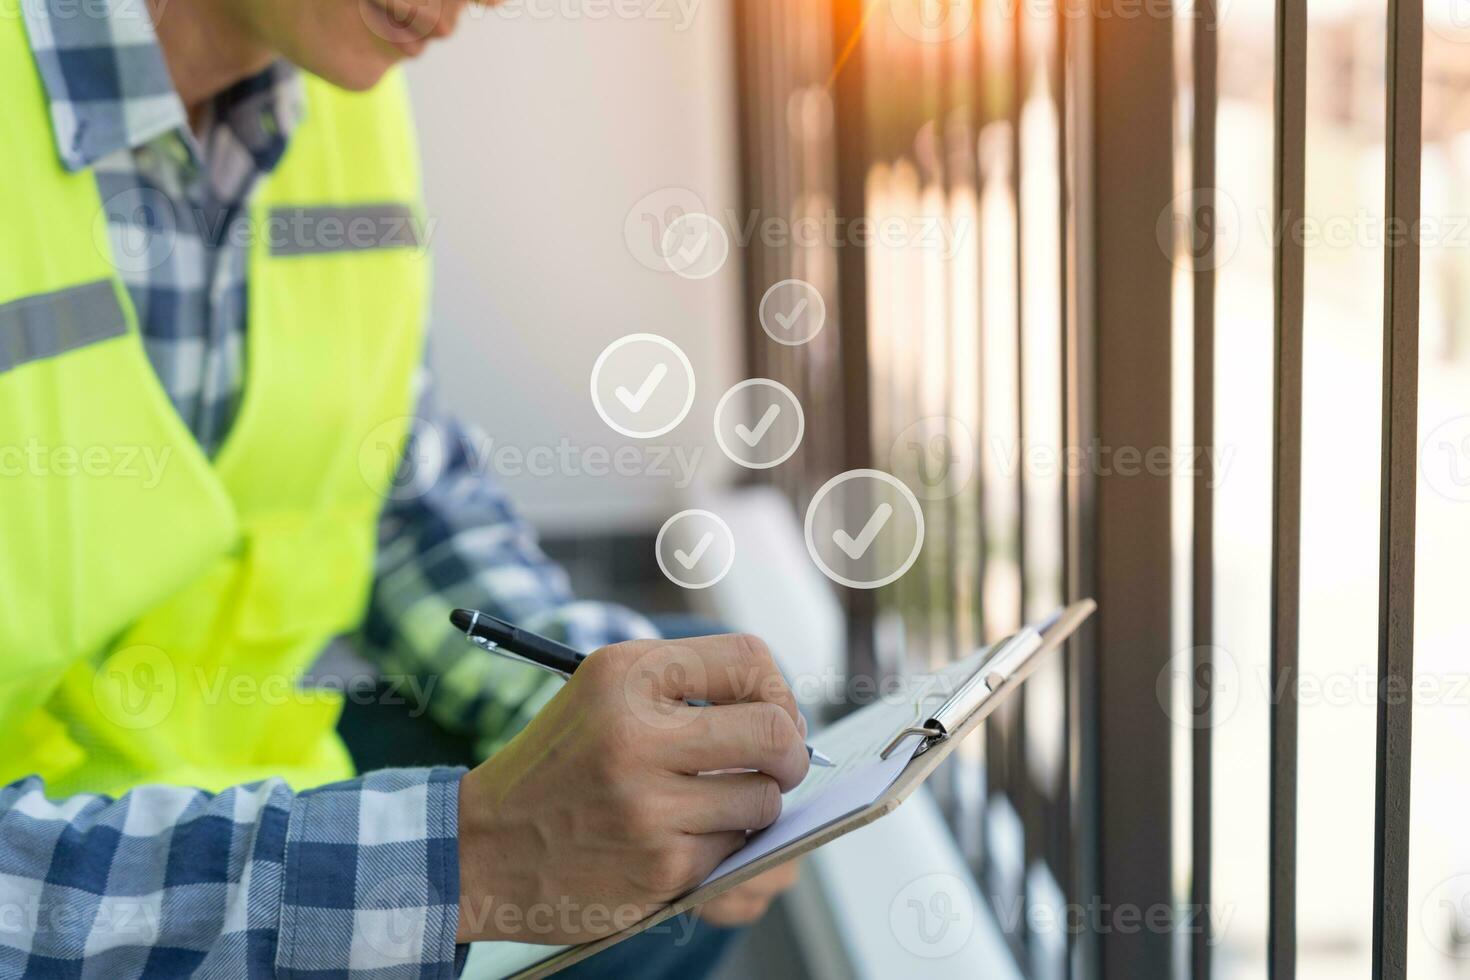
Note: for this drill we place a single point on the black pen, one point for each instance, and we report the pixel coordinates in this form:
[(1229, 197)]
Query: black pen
[(510, 641)]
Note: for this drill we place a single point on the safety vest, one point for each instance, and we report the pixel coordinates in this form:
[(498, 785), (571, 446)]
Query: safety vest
[(158, 607)]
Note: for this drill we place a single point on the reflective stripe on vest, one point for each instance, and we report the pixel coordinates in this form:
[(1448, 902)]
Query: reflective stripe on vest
[(54, 323), (157, 608)]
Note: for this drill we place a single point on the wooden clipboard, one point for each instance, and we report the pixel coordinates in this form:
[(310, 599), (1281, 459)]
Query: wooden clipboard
[(927, 758)]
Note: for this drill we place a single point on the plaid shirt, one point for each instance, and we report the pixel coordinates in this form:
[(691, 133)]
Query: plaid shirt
[(259, 881)]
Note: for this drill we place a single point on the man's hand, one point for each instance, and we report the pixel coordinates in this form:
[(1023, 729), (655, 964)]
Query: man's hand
[(597, 814), (743, 904)]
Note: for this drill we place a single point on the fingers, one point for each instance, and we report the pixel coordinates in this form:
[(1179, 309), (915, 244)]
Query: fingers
[(711, 849), (723, 669), (727, 801), (747, 902), (759, 736), (732, 909), (768, 884)]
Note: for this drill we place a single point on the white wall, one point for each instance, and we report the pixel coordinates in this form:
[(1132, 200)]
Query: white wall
[(542, 126)]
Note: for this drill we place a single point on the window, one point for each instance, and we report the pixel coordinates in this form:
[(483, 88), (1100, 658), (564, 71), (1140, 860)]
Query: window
[(1125, 295)]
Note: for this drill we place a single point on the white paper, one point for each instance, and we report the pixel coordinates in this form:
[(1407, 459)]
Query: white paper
[(860, 776)]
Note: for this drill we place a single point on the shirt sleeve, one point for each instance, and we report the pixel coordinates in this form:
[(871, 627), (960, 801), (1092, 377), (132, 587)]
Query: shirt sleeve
[(450, 538), (255, 881)]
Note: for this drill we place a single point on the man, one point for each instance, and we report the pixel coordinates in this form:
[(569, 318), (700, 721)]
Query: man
[(211, 319)]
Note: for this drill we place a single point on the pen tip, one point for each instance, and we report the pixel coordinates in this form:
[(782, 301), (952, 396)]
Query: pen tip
[(461, 618), (818, 759)]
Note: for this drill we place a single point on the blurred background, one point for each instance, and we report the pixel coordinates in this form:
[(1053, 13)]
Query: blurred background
[(965, 352)]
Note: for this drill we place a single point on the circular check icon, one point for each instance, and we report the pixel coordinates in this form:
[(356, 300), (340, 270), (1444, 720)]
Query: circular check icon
[(642, 385), (792, 312), (696, 246), (695, 549), (772, 428), (864, 529), (648, 221)]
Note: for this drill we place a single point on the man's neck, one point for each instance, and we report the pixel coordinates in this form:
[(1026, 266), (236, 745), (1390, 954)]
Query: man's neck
[(207, 50)]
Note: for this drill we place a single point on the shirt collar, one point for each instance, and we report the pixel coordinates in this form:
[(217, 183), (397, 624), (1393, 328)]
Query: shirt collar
[(109, 88)]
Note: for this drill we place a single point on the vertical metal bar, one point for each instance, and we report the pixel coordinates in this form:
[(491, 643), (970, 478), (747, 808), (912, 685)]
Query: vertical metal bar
[(1132, 80), (1018, 97), (1004, 752), (1397, 517), (852, 151), (982, 118), (1202, 604), (1057, 71), (748, 107), (1083, 728), (1019, 788), (1290, 204)]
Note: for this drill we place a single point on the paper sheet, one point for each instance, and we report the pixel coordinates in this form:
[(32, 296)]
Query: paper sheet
[(860, 776)]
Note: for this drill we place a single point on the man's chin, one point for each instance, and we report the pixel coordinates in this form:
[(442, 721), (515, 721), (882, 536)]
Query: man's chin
[(359, 74)]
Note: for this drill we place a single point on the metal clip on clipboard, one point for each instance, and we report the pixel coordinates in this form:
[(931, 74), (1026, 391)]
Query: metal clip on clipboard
[(966, 700)]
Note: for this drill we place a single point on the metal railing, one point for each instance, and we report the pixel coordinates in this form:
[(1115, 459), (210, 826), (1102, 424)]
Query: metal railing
[(1049, 126)]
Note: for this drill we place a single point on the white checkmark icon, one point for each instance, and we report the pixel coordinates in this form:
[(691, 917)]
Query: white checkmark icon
[(855, 548), (690, 559), (689, 254), (634, 401), (753, 436), (788, 320)]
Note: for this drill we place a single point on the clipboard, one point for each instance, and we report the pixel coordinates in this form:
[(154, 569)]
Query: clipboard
[(998, 672)]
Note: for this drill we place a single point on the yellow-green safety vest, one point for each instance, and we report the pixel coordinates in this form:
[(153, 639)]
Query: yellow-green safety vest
[(157, 607)]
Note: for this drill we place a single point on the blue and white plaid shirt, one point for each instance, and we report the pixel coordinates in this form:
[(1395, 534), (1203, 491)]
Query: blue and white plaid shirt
[(260, 881)]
